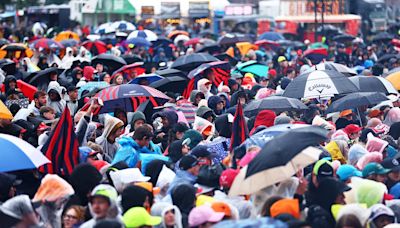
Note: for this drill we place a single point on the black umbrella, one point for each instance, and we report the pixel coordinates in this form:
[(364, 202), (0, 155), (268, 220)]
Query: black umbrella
[(226, 57), (232, 39), (189, 62), (387, 57), (8, 66), (174, 84), (210, 48), (334, 66), (355, 100), (129, 59), (342, 38), (328, 29), (275, 103), (111, 61), (42, 78), (161, 41), (3, 42), (373, 84), (319, 84), (170, 72), (280, 158), (382, 37)]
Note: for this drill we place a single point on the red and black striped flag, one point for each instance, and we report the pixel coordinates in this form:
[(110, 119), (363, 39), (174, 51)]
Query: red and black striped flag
[(239, 131), (62, 147)]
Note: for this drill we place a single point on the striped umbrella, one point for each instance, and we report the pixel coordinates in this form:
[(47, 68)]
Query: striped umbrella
[(129, 96), (205, 66), (17, 154), (334, 66), (316, 55), (319, 84), (373, 84), (123, 26), (105, 28), (46, 44), (147, 34)]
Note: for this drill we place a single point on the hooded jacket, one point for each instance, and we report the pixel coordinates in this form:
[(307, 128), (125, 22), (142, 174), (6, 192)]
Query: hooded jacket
[(68, 59), (193, 95), (109, 124), (264, 118), (135, 117), (335, 151), (161, 208), (111, 194), (201, 86), (59, 105), (212, 103)]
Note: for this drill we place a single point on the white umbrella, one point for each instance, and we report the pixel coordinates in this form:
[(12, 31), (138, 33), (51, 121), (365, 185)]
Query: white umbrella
[(123, 26), (179, 38), (17, 154), (147, 34)]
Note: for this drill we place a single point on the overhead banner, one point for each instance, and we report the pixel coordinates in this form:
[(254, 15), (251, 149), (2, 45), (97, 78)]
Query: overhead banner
[(170, 10), (199, 9)]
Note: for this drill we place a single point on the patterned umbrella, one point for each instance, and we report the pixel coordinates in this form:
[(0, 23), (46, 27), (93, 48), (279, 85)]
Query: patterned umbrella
[(147, 34), (189, 62), (46, 44), (69, 43), (105, 28), (129, 96), (95, 47), (139, 42), (123, 26), (334, 66), (205, 66)]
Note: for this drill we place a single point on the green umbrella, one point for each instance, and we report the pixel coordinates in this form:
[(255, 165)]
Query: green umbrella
[(318, 45), (253, 67)]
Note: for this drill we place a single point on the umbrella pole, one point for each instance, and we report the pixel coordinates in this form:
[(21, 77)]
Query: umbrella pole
[(359, 117)]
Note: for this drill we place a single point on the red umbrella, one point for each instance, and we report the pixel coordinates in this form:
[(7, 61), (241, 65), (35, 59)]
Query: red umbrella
[(46, 44), (127, 69), (95, 47), (223, 65), (192, 41), (316, 55), (267, 43)]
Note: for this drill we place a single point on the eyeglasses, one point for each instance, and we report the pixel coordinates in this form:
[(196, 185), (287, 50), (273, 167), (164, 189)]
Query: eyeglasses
[(70, 217)]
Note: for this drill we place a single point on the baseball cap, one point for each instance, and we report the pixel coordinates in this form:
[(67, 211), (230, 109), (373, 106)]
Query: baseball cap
[(352, 128), (345, 113), (281, 59), (379, 210), (200, 151), (323, 168), (187, 162), (8, 180), (227, 177), (286, 206), (345, 172), (202, 214), (71, 88), (138, 216), (391, 163), (374, 168)]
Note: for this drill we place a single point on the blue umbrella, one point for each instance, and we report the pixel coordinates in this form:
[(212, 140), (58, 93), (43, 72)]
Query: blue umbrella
[(262, 137), (139, 41), (253, 67), (149, 77), (90, 86), (274, 36), (17, 154), (252, 223)]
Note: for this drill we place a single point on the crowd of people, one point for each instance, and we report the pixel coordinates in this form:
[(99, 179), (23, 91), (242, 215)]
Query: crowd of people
[(173, 164)]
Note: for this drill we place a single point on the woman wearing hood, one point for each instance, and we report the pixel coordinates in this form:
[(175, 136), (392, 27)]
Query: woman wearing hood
[(196, 96), (216, 104), (103, 205), (68, 59), (204, 85), (170, 214), (113, 128), (55, 100)]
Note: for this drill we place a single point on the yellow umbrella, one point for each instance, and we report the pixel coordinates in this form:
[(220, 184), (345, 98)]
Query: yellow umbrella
[(65, 35), (245, 47), (4, 112), (394, 79), (18, 49)]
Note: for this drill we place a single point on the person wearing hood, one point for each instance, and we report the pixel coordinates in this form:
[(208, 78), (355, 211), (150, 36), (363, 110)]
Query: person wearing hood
[(102, 205), (206, 113), (170, 214), (113, 128), (196, 96), (168, 118), (204, 86), (138, 119), (43, 64), (10, 84), (68, 59), (264, 118), (55, 100), (8, 183), (216, 104), (21, 207), (187, 171), (185, 204), (88, 75)]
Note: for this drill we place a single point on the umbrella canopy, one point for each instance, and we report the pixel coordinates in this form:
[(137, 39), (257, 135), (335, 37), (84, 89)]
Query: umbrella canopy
[(316, 55), (42, 78), (17, 154), (8, 66), (137, 67), (95, 47), (394, 70), (319, 84), (232, 39), (161, 41), (394, 79), (129, 96), (176, 84), (318, 45), (148, 78), (205, 66), (279, 160), (69, 43), (226, 57), (245, 47), (4, 112), (373, 84), (65, 35), (192, 42), (181, 38), (3, 42), (355, 100), (334, 66), (342, 38), (253, 67), (210, 48), (111, 61), (123, 26), (46, 44), (382, 37), (189, 62), (129, 59), (387, 57), (105, 28), (267, 43), (273, 36), (14, 47), (176, 33), (146, 34), (275, 103), (170, 73), (90, 86), (139, 42), (20, 50)]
